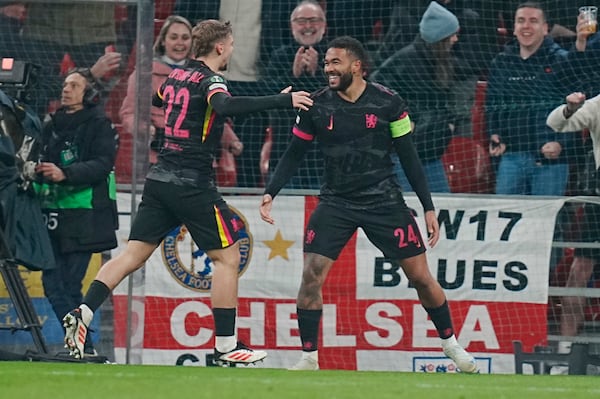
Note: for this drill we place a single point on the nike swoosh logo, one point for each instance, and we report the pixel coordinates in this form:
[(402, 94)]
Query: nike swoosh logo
[(330, 126)]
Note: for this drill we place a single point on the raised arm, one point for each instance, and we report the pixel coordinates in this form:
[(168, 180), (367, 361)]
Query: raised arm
[(576, 114)]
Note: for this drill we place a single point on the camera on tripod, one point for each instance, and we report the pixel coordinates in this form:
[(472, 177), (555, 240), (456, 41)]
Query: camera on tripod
[(17, 120)]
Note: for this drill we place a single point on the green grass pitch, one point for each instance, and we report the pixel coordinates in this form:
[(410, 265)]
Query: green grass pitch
[(89, 381)]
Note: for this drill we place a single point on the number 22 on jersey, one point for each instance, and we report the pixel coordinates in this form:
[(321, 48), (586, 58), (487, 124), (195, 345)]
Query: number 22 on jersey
[(181, 98)]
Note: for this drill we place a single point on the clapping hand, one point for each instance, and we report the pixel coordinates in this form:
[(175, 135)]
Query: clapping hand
[(306, 61)]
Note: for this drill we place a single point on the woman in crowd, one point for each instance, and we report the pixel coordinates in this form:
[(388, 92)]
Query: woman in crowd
[(171, 50)]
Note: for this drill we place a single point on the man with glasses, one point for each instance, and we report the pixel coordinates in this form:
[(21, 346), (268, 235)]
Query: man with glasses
[(298, 64)]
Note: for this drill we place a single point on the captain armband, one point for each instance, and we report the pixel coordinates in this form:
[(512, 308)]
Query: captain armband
[(401, 126)]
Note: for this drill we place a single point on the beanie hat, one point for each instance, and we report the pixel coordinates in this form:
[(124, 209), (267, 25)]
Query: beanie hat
[(437, 23)]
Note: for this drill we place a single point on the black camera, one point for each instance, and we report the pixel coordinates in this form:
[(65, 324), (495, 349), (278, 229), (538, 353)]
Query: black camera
[(19, 122), (17, 78)]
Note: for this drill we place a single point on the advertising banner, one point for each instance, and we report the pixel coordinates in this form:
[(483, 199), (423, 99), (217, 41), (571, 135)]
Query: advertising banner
[(492, 261)]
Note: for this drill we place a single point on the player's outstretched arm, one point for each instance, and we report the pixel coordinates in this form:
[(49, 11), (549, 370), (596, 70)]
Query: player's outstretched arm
[(225, 104)]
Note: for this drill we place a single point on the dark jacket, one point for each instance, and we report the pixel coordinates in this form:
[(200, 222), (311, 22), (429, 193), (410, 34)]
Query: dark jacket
[(278, 76), (411, 73), (81, 210), (279, 70), (521, 93)]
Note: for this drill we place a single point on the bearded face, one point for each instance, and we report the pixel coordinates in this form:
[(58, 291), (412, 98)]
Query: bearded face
[(338, 69), (339, 81)]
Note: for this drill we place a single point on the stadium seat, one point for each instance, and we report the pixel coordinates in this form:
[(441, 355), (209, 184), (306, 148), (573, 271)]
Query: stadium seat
[(163, 8), (468, 167), (121, 13), (466, 160), (66, 64)]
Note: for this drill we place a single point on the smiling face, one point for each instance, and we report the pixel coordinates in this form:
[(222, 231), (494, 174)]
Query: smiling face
[(340, 68), (178, 42), (530, 28), (308, 24)]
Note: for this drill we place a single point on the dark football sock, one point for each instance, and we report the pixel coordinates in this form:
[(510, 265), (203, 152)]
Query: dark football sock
[(96, 295), (224, 321), (308, 323), (441, 319)]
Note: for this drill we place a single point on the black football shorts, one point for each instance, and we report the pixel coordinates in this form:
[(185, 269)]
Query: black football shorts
[(204, 213), (392, 229)]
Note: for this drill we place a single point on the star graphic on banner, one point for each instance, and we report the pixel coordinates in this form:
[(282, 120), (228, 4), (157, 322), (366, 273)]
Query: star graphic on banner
[(278, 246)]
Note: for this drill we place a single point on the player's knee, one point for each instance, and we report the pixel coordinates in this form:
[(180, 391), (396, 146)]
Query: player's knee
[(423, 281)]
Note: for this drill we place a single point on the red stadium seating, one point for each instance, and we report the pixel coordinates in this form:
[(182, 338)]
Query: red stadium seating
[(163, 8), (468, 167)]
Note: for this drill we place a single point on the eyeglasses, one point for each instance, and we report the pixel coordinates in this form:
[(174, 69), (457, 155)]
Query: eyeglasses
[(304, 21)]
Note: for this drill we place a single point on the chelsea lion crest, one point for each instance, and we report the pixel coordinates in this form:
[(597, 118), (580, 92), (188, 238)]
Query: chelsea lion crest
[(190, 265)]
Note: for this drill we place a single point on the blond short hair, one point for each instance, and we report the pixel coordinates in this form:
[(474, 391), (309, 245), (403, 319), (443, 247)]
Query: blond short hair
[(206, 34)]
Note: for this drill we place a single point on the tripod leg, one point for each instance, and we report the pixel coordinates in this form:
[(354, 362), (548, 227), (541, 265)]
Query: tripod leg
[(23, 305)]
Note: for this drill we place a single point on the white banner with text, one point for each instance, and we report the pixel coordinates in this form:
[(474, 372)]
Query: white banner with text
[(492, 261)]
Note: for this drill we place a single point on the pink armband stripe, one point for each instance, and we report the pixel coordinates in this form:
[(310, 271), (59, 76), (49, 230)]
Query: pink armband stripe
[(300, 134)]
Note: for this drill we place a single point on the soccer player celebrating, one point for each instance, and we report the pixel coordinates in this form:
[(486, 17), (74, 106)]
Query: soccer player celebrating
[(357, 124), (180, 189)]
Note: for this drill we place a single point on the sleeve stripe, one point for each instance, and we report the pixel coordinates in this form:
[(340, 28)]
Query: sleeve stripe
[(159, 94), (300, 134), (217, 86), (211, 93), (401, 126)]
